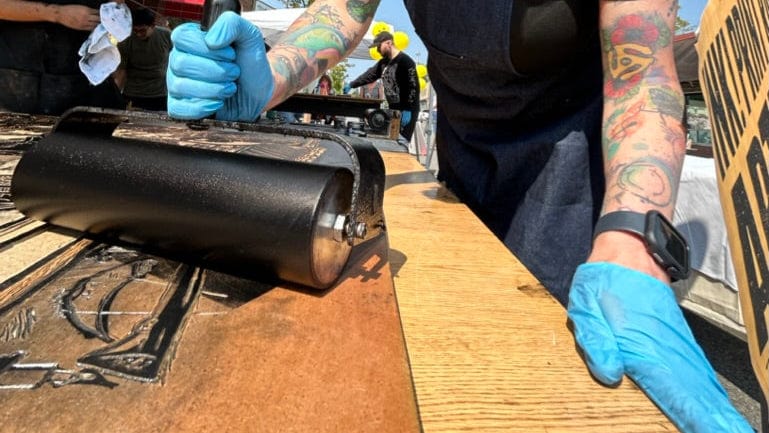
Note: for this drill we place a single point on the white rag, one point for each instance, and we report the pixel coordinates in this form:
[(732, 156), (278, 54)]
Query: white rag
[(99, 56)]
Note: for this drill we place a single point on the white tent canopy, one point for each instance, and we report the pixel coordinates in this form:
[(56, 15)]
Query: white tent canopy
[(274, 22)]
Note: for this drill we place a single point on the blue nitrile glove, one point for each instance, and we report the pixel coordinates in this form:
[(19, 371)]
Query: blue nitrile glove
[(627, 322), (405, 118), (203, 67)]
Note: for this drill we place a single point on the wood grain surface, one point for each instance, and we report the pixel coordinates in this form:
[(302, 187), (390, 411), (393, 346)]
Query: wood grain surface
[(489, 348)]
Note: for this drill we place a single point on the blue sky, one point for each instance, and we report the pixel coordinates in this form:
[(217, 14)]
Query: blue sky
[(691, 10)]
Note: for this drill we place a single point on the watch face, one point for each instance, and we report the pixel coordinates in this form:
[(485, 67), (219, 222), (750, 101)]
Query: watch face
[(667, 245)]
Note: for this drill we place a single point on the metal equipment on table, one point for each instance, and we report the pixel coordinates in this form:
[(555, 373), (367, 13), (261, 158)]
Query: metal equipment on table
[(267, 208)]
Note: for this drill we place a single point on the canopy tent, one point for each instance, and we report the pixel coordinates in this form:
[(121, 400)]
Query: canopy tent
[(274, 23)]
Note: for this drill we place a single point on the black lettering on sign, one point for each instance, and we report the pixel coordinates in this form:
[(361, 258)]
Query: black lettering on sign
[(750, 226), (756, 270), (727, 122), (763, 120), (763, 14), (749, 51)]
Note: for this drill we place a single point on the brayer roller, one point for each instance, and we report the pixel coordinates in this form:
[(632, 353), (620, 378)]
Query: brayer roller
[(245, 214)]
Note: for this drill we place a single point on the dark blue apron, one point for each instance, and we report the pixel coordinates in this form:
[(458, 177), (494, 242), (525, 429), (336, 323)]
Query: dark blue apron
[(39, 70), (520, 143)]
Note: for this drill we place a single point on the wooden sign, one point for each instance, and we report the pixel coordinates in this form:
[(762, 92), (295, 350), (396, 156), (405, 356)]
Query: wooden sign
[(733, 49)]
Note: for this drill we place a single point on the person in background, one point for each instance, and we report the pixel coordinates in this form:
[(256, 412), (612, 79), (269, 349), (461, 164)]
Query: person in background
[(39, 43), (325, 86), (545, 132), (143, 63), (398, 73)]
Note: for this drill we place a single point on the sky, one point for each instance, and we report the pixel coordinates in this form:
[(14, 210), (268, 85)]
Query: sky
[(393, 12), (691, 10)]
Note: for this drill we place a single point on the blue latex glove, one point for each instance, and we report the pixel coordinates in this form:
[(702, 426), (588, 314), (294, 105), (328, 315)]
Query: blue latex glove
[(405, 118), (203, 68), (627, 322)]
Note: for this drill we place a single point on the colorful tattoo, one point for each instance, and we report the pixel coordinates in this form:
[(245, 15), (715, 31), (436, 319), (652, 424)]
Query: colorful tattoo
[(620, 125), (625, 122), (647, 179), (291, 65), (319, 38), (642, 130), (630, 49), (320, 41), (360, 11)]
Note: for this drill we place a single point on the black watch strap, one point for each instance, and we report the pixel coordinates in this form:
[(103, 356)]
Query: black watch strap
[(623, 220)]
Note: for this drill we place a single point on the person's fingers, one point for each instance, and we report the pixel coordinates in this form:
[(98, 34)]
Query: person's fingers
[(230, 28), (189, 39), (598, 344), (192, 108), (592, 332), (202, 68), (181, 87)]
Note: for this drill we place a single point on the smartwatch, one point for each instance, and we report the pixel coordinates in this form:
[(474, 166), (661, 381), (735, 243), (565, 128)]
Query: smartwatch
[(663, 242)]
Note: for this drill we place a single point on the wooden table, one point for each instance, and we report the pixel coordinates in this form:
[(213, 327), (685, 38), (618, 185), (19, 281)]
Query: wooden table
[(468, 340), (489, 348)]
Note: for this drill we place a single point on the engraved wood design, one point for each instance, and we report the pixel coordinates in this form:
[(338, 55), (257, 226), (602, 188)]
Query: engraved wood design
[(97, 337)]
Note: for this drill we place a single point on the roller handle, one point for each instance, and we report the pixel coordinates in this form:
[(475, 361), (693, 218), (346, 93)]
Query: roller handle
[(213, 8)]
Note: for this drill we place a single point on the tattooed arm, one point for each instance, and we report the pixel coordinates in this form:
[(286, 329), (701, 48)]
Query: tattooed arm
[(325, 34), (643, 135), (625, 317)]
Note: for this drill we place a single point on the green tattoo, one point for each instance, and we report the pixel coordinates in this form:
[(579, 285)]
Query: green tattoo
[(293, 67), (360, 11), (320, 41), (648, 179), (667, 101)]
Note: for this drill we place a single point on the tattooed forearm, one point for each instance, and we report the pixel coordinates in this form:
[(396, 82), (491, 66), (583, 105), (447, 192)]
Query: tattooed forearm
[(643, 136), (625, 122), (290, 70), (319, 39)]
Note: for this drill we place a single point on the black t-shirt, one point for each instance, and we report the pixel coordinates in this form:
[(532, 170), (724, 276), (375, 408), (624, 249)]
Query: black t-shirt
[(399, 79)]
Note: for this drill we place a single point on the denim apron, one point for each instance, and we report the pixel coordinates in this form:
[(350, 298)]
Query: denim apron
[(39, 70), (519, 122)]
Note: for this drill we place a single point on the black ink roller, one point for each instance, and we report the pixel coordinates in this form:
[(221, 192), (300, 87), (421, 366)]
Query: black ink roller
[(248, 215)]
